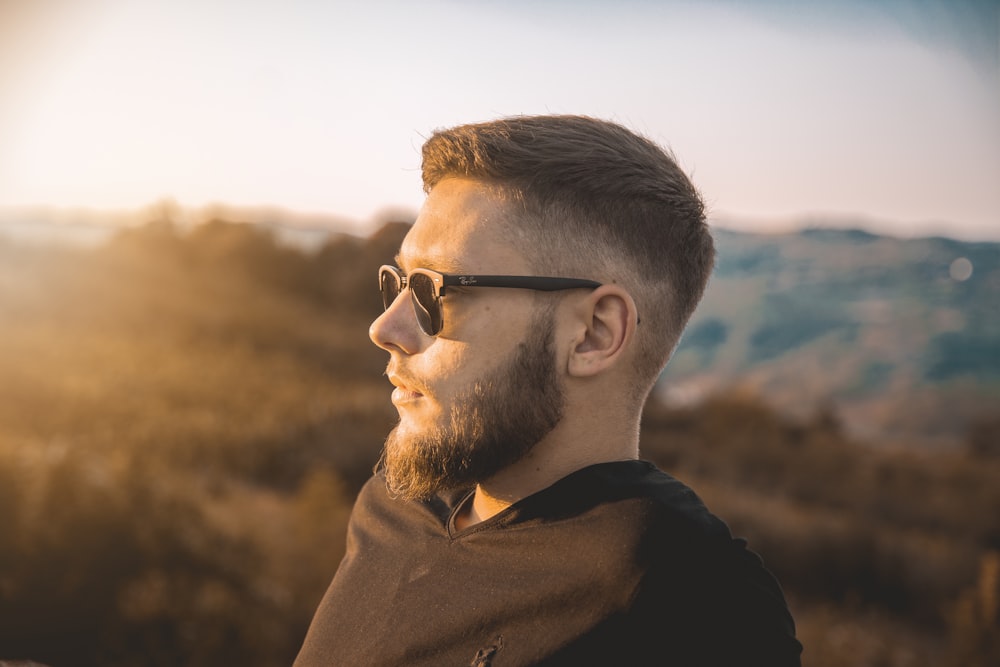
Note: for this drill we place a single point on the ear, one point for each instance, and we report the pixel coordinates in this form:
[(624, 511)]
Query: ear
[(606, 325)]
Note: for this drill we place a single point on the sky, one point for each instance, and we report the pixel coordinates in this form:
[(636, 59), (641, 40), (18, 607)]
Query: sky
[(884, 113)]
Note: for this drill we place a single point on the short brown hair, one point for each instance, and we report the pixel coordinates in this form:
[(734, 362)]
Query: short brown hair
[(597, 198)]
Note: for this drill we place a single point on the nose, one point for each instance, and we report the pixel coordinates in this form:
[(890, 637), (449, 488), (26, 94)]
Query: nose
[(396, 329)]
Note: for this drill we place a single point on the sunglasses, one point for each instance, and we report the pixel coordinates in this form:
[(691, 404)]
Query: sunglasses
[(427, 287)]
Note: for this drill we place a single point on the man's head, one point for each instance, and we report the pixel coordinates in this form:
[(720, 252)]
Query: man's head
[(568, 197), (585, 197)]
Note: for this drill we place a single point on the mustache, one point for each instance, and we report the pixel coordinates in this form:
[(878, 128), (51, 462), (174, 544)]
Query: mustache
[(403, 380)]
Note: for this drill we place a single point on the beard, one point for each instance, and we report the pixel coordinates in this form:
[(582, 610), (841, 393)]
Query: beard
[(490, 426)]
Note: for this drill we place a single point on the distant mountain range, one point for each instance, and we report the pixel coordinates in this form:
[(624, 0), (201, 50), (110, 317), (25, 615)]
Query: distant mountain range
[(87, 227), (898, 337)]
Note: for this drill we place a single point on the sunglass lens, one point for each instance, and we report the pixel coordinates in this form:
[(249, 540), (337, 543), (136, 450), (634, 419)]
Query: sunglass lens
[(425, 303), (389, 286)]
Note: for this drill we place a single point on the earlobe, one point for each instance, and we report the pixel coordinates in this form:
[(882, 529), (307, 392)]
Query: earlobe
[(607, 327)]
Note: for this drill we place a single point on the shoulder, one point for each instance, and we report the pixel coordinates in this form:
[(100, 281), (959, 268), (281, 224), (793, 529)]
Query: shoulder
[(375, 505), (652, 498), (714, 594), (373, 498)]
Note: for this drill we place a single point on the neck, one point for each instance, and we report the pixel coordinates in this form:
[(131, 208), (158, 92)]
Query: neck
[(562, 452)]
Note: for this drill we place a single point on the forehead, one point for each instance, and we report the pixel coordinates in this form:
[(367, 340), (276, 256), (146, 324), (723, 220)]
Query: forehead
[(462, 228)]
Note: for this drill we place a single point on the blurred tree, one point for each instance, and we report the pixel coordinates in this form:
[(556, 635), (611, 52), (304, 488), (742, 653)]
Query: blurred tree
[(975, 619)]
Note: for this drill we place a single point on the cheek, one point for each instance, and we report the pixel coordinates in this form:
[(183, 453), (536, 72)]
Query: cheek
[(440, 367), (449, 366), (453, 370)]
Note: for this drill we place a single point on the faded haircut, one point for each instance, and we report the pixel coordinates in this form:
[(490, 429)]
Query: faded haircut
[(589, 198)]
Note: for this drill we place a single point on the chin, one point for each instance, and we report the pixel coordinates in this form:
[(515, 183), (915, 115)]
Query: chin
[(409, 427)]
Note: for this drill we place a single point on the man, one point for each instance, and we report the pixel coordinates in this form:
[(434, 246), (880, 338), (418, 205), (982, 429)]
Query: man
[(537, 297)]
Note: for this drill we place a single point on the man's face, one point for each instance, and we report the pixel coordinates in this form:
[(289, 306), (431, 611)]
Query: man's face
[(477, 397)]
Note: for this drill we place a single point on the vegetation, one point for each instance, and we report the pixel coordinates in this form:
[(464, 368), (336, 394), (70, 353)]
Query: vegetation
[(185, 419)]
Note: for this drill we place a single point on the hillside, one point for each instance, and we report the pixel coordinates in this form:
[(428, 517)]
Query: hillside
[(900, 337)]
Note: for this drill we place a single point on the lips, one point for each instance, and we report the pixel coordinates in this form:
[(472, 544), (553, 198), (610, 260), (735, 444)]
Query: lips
[(405, 388), (401, 396)]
